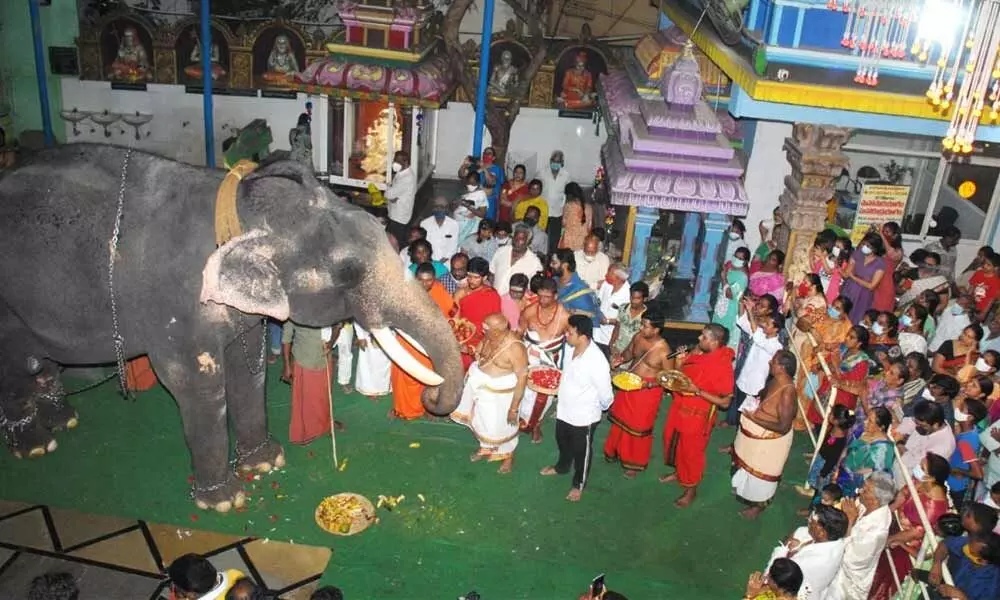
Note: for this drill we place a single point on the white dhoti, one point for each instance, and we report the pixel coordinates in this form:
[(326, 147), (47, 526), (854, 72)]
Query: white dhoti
[(483, 409), (532, 409), (345, 354), (760, 456), (374, 367)]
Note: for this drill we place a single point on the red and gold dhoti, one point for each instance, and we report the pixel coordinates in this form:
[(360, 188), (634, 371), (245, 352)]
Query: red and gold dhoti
[(310, 404), (633, 417)]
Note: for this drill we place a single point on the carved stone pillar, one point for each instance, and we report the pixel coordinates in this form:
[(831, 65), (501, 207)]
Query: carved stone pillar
[(814, 151)]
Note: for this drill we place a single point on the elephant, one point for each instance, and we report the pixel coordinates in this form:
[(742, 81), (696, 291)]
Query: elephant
[(193, 306)]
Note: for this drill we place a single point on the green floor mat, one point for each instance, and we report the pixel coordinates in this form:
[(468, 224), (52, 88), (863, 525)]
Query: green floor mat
[(507, 537)]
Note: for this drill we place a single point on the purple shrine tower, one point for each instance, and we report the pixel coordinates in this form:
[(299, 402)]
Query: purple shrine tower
[(669, 152)]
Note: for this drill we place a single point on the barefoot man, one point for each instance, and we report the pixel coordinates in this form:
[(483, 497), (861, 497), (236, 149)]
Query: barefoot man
[(633, 413), (494, 388), (764, 438), (544, 325), (691, 416)]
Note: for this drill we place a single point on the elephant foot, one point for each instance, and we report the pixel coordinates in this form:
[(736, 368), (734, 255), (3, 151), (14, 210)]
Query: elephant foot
[(221, 497), (31, 442), (263, 459)]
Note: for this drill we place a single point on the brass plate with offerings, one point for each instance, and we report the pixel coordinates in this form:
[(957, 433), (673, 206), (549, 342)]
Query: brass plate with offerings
[(676, 381), (345, 514)]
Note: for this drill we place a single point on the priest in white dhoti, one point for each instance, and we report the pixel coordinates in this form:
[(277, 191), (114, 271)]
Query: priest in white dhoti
[(494, 389), (818, 549), (764, 438), (345, 356), (374, 367), (868, 519)]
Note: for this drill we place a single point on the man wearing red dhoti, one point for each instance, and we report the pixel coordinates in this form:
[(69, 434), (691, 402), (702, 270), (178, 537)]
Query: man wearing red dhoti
[(691, 416), (633, 413), (306, 352), (407, 391), (476, 301)]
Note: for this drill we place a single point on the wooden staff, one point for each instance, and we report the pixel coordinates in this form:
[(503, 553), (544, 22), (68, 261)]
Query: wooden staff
[(333, 428)]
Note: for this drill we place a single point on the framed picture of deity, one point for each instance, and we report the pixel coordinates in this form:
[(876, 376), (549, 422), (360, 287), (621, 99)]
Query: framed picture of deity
[(188, 52), (127, 52), (278, 54), (575, 87), (508, 60)]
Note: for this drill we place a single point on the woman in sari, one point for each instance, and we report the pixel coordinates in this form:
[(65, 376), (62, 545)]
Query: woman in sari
[(829, 330), (907, 534), (955, 354), (870, 452), (809, 299), (919, 373), (769, 279), (885, 294), (577, 218), (864, 274), (849, 371), (731, 288), (841, 257), (886, 393), (513, 191)]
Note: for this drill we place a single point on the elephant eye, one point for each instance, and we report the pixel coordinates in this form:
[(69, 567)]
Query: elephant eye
[(348, 274)]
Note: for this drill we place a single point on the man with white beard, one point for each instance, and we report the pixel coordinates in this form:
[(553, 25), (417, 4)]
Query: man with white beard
[(591, 263)]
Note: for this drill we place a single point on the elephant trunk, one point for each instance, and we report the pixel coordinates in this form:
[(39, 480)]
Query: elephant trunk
[(409, 310)]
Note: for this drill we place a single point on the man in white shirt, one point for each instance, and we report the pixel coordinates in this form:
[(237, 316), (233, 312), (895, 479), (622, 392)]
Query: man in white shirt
[(514, 258), (952, 322), (592, 264), (818, 549), (764, 343), (868, 520), (584, 393), (400, 195), (613, 294), (928, 432), (554, 180), (442, 230)]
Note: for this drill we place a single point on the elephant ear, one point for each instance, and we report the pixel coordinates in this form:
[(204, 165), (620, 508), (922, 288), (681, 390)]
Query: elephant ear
[(241, 274)]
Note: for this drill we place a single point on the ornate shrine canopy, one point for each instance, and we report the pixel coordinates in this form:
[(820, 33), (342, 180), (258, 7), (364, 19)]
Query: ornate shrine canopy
[(669, 152), (426, 84)]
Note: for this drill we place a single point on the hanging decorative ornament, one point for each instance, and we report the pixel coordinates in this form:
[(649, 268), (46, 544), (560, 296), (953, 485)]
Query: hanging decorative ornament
[(874, 30), (961, 37)]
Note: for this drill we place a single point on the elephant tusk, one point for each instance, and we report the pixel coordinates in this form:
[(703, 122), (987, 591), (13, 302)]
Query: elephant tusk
[(412, 342), (406, 361)]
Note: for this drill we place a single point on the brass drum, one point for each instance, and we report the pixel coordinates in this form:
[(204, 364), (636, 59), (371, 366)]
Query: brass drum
[(676, 381)]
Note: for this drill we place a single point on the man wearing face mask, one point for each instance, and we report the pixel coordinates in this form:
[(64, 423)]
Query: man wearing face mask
[(952, 321), (554, 180), (964, 460), (539, 239), (400, 195), (927, 431), (592, 264), (442, 230)]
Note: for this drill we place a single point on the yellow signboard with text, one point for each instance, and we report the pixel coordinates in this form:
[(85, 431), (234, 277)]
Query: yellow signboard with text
[(879, 204)]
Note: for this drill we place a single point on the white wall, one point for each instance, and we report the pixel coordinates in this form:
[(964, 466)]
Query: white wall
[(537, 132), (177, 129), (765, 175), (472, 22)]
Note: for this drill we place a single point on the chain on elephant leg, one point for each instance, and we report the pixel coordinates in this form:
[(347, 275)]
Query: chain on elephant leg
[(54, 413), (22, 432), (221, 496), (263, 458)]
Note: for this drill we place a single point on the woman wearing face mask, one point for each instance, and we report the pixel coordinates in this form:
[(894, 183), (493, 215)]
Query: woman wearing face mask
[(736, 232), (885, 340), (886, 393), (577, 218), (864, 273), (472, 207), (985, 366), (513, 191), (965, 463), (911, 335), (849, 369), (836, 263), (769, 279), (731, 289), (952, 355), (829, 331), (885, 294), (870, 452), (907, 533), (809, 298)]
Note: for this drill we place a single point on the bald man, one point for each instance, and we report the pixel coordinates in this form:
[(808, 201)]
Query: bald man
[(591, 263), (493, 391)]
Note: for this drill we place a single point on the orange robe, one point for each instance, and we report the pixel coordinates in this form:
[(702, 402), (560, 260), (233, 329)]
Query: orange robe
[(690, 419), (406, 390)]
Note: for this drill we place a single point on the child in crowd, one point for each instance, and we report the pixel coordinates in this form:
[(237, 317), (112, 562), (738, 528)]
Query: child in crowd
[(821, 473), (195, 578)]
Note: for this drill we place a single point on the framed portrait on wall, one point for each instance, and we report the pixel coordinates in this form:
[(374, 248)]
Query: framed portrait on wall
[(127, 52), (278, 54), (188, 51), (575, 87)]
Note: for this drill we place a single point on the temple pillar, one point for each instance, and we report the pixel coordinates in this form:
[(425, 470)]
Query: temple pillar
[(689, 238), (321, 135), (645, 219), (716, 226), (814, 153)]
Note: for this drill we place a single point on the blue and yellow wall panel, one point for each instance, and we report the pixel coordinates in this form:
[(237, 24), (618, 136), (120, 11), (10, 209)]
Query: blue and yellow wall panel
[(795, 69)]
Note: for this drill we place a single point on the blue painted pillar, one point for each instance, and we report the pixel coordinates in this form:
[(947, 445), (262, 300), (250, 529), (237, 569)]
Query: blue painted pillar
[(484, 78), (689, 238), (645, 219), (40, 73), (206, 81), (708, 267), (754, 13), (775, 25)]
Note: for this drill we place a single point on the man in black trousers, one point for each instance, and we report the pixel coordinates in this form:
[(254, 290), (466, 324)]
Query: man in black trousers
[(584, 393)]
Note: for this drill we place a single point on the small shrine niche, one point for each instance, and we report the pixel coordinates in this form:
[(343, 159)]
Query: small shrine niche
[(386, 24)]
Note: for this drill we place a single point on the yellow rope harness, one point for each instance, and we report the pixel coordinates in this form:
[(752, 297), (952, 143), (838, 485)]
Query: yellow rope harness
[(227, 219)]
